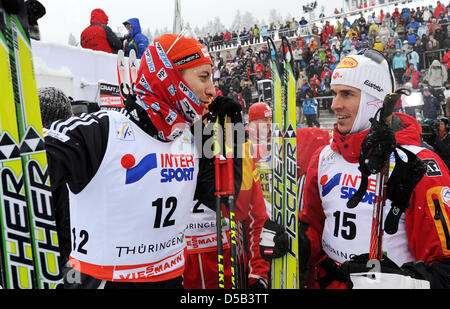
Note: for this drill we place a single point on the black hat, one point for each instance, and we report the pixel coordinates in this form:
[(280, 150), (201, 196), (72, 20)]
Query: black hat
[(55, 105)]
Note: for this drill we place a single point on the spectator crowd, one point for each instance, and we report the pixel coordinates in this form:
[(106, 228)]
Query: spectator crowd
[(416, 41)]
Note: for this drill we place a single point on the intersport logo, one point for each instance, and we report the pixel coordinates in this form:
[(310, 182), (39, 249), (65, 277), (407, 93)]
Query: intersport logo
[(173, 167)]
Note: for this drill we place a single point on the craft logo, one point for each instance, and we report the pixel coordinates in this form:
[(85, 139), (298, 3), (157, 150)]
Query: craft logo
[(445, 193), (149, 60), (109, 89), (174, 167), (349, 184), (373, 85), (347, 63)]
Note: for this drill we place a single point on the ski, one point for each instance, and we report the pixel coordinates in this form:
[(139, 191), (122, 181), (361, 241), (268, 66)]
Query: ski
[(29, 244), (290, 205), (278, 264), (122, 76), (132, 68)]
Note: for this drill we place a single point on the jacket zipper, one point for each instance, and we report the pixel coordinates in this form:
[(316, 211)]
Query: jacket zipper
[(438, 215)]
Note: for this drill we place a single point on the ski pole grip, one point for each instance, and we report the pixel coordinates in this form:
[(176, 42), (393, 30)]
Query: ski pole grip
[(388, 108)]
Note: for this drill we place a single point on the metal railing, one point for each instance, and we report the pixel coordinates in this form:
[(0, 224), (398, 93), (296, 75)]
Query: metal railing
[(234, 42), (430, 55)]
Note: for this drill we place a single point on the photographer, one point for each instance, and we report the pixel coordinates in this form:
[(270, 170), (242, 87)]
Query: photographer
[(441, 141), (431, 106)]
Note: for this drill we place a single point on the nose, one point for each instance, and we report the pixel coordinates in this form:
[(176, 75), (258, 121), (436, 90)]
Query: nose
[(336, 104), (210, 89)]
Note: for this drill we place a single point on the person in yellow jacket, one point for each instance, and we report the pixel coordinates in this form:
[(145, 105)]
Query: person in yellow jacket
[(378, 45)]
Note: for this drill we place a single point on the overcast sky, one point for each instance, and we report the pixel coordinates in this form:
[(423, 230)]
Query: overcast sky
[(72, 16)]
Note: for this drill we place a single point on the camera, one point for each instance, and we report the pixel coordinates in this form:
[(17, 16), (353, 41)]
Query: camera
[(430, 130)]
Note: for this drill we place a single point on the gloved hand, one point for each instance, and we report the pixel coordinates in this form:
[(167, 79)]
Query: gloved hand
[(376, 150), (385, 274), (400, 186), (225, 106), (134, 107), (274, 242)]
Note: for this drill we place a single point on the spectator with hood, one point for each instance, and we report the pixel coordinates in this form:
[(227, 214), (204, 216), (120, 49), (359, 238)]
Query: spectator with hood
[(437, 74), (135, 39), (98, 36)]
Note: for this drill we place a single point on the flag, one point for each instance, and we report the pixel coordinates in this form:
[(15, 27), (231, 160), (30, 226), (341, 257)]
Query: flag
[(177, 17)]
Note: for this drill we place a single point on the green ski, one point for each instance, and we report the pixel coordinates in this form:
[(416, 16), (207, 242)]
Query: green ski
[(290, 205), (29, 244), (285, 270), (278, 264)]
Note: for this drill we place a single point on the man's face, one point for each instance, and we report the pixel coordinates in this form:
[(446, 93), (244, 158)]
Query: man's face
[(200, 82), (262, 126), (345, 106)]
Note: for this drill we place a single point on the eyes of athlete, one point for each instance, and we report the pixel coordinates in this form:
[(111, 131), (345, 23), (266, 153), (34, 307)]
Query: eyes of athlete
[(344, 93)]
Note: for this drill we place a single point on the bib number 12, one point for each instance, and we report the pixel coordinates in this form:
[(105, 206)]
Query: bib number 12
[(171, 205)]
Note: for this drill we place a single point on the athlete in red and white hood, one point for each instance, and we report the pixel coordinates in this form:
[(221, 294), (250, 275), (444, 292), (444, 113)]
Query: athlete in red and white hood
[(132, 174), (259, 129), (335, 239)]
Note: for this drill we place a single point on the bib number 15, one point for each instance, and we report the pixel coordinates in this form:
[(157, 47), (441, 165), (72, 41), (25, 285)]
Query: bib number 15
[(161, 207)]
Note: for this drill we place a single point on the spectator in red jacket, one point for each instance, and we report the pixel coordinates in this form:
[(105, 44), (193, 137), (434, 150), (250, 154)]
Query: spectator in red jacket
[(98, 36), (412, 76), (446, 60), (437, 11)]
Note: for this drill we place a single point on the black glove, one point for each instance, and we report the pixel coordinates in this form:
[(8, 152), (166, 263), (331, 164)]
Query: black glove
[(274, 241), (139, 114), (225, 106), (376, 149), (400, 186)]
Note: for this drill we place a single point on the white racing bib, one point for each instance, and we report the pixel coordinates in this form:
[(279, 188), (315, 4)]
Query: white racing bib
[(128, 223), (347, 231), (201, 231)]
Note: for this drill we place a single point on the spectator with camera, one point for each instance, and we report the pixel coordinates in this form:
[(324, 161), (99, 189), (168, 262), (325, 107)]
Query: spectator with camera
[(431, 106), (441, 141)]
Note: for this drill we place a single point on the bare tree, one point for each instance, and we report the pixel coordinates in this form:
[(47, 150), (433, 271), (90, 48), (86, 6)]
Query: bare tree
[(73, 40)]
